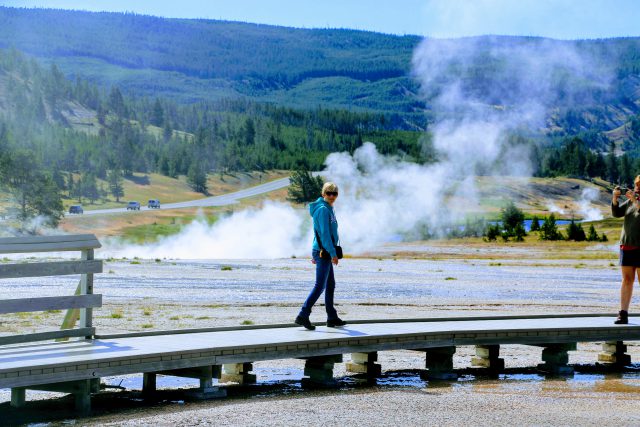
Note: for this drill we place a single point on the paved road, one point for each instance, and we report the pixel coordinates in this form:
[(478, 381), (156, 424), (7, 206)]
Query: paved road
[(223, 200)]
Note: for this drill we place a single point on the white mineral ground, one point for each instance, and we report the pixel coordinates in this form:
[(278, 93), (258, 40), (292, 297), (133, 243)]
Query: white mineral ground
[(399, 281)]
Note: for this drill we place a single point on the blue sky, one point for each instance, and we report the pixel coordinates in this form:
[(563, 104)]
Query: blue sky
[(565, 19)]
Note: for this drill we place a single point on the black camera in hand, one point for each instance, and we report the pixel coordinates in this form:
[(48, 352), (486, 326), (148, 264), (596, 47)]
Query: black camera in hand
[(624, 190)]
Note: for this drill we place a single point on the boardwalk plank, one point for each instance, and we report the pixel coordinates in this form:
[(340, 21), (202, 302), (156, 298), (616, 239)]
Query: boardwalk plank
[(40, 269), (23, 305)]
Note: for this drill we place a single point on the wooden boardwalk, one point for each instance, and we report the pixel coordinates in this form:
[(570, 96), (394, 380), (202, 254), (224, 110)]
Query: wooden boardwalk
[(33, 361), (44, 363)]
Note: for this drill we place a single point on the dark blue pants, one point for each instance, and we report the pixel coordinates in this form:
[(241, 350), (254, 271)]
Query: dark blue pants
[(324, 282)]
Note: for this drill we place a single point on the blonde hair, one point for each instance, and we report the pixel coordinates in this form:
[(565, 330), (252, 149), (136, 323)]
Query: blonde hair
[(635, 181), (329, 186)]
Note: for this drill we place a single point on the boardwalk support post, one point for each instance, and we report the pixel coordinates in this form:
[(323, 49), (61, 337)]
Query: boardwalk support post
[(81, 390), (83, 396), (205, 374), (319, 371), (614, 354), (365, 363), (238, 373), (18, 397), (439, 363), (556, 358), (487, 357), (149, 383)]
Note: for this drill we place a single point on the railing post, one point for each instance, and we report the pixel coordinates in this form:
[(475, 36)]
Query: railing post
[(86, 287)]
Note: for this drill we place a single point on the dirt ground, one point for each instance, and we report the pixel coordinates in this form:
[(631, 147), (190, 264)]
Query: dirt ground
[(421, 279)]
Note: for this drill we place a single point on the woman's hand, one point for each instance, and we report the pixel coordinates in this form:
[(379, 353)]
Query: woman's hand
[(313, 260), (334, 260), (616, 194), (630, 195)]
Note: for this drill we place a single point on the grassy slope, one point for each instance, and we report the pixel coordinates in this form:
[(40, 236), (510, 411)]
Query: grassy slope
[(143, 187), (533, 195), (148, 225)]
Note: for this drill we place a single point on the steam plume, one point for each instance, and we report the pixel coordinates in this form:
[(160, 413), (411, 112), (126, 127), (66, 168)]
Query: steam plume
[(382, 198)]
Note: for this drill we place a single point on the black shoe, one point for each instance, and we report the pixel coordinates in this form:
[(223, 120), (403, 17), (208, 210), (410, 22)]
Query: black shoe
[(623, 318), (332, 323), (304, 321)]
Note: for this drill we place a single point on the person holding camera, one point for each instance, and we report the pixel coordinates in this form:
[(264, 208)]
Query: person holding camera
[(325, 254), (629, 244)]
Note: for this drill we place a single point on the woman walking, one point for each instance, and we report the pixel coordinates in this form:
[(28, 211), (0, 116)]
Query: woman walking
[(629, 244), (324, 256)]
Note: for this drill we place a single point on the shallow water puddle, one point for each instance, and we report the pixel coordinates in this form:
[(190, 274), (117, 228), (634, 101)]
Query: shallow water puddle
[(579, 382)]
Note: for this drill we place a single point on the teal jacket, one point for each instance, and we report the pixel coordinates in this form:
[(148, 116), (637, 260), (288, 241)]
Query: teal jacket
[(325, 225)]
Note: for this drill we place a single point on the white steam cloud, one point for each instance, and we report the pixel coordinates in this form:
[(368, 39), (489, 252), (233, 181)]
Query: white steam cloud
[(585, 206), (274, 231), (553, 208), (480, 91)]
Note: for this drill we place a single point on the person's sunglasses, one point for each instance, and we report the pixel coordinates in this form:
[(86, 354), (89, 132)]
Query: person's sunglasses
[(332, 193)]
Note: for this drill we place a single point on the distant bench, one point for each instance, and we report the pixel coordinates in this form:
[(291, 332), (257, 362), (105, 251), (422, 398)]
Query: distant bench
[(80, 306)]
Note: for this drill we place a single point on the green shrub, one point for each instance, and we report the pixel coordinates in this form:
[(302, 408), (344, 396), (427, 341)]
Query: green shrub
[(549, 229), (493, 231), (535, 224), (576, 232), (511, 217), (511, 225)]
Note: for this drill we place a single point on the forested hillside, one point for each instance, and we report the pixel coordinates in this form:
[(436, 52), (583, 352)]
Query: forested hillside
[(104, 95), (53, 129), (191, 60), (202, 60)]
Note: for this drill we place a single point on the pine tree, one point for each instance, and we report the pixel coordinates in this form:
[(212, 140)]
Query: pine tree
[(167, 131), (197, 177), (89, 187), (612, 164), (116, 102), (592, 235), (535, 224), (249, 132), (71, 186), (575, 232), (116, 186), (519, 232), (511, 217), (34, 190), (157, 115), (304, 187), (626, 173), (549, 229), (492, 233)]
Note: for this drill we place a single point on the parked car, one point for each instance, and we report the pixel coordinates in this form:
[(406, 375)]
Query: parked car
[(76, 209), (153, 204), (134, 206)]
